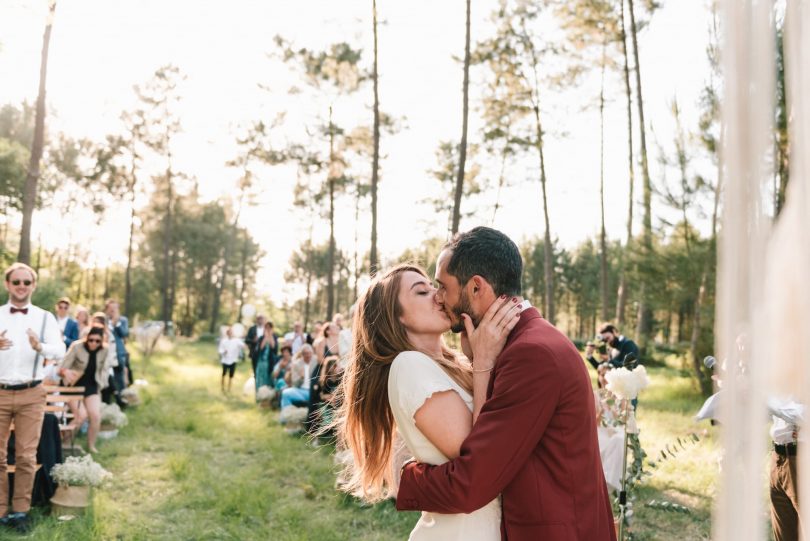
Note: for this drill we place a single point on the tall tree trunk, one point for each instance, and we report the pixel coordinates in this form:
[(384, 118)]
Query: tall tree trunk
[(502, 174), (356, 246), (603, 267), (225, 258), (308, 299), (243, 276), (106, 292), (621, 301), (166, 312), (375, 161), (644, 329), (330, 278), (128, 271), (704, 379), (462, 151), (548, 249), (32, 178)]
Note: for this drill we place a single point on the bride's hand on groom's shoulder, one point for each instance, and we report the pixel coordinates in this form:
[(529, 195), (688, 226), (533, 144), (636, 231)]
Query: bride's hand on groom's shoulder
[(485, 342)]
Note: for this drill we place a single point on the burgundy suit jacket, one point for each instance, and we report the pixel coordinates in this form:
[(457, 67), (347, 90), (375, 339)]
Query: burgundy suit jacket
[(534, 442)]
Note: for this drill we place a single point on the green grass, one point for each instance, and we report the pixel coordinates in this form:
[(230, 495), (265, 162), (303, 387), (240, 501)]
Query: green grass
[(195, 465)]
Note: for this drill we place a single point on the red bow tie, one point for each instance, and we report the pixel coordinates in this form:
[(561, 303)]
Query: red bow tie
[(24, 311)]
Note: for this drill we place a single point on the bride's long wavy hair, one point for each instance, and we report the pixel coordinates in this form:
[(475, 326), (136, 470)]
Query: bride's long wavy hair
[(364, 422)]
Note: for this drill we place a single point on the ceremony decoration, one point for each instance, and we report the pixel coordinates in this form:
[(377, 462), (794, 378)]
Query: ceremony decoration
[(76, 477)]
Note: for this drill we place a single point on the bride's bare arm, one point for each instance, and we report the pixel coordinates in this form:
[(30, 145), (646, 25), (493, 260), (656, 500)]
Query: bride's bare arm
[(444, 418), (446, 421)]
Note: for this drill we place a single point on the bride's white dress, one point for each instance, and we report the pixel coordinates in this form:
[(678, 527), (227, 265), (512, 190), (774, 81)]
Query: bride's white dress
[(415, 377)]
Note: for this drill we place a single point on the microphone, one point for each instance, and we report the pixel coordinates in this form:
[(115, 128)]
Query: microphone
[(630, 361), (709, 362)]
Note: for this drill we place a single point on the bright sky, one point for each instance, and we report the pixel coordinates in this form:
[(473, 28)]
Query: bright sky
[(99, 49)]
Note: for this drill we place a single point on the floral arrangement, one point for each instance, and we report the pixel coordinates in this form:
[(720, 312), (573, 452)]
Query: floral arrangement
[(112, 415), (292, 415), (80, 471), (265, 393), (131, 396), (626, 384)]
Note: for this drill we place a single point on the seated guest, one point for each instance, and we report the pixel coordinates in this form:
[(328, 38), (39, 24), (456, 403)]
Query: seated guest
[(281, 368), (298, 378), (86, 365), (324, 384), (296, 338)]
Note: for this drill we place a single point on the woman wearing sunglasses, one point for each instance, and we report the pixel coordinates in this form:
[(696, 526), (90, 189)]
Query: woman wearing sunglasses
[(86, 365)]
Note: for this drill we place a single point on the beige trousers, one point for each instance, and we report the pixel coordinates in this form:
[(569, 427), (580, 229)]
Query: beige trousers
[(27, 409), (784, 498)]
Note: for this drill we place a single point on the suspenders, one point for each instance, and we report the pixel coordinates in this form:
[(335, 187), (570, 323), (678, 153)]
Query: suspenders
[(41, 339)]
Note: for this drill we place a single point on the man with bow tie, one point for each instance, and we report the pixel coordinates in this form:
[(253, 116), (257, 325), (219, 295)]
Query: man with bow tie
[(28, 336)]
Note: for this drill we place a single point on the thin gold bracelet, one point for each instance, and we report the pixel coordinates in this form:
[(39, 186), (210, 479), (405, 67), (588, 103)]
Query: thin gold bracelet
[(482, 371)]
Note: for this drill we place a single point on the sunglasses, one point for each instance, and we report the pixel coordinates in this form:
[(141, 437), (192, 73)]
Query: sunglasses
[(93, 341), (24, 282)]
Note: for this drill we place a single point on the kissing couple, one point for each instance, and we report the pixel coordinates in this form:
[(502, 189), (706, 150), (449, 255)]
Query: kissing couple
[(503, 433)]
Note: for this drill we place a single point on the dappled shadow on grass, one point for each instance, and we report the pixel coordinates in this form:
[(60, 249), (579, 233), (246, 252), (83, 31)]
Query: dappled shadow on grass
[(194, 464)]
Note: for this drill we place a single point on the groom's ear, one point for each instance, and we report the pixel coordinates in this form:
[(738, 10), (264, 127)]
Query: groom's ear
[(479, 286)]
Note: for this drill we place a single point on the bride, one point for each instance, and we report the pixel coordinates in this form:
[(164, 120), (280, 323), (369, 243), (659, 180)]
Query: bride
[(403, 379)]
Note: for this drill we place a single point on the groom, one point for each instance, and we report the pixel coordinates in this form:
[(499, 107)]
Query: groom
[(535, 440)]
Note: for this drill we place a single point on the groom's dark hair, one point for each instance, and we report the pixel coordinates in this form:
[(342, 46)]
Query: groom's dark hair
[(488, 253)]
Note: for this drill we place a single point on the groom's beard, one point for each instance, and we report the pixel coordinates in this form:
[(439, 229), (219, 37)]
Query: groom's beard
[(463, 307)]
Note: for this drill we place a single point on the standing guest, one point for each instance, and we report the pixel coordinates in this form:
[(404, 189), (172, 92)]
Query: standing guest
[(119, 327), (254, 336), (67, 325), (337, 319), (298, 378), (82, 319), (229, 350), (296, 338), (28, 335), (281, 368), (787, 418), (620, 344), (86, 365), (268, 353)]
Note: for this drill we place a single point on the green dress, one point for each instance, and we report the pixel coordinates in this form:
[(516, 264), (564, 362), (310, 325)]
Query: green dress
[(263, 367)]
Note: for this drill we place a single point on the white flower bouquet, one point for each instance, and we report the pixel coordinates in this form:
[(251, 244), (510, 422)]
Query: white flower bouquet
[(626, 384), (80, 471), (111, 415)]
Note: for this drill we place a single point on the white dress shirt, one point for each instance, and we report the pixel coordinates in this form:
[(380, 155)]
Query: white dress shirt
[(229, 349), (787, 416), (17, 362), (296, 341)]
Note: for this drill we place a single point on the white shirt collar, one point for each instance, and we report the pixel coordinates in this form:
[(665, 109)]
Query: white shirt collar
[(525, 305)]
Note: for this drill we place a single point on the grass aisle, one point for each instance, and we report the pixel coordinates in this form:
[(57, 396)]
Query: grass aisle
[(194, 465)]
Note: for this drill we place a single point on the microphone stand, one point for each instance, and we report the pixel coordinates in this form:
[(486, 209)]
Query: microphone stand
[(630, 362), (623, 492)]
